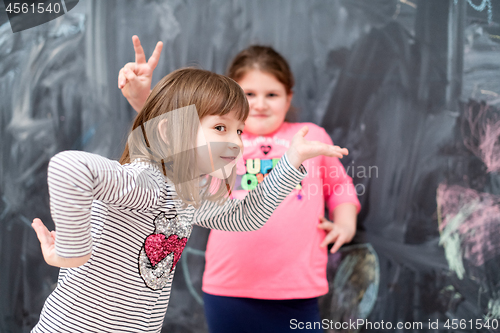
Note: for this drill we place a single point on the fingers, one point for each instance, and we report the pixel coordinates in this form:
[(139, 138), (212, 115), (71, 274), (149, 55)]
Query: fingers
[(325, 224), (330, 150), (42, 232), (140, 57), (334, 151), (302, 149), (129, 74), (335, 235), (321, 148), (324, 219), (122, 78), (303, 131), (153, 60), (340, 152), (343, 151), (330, 238), (338, 243), (328, 227)]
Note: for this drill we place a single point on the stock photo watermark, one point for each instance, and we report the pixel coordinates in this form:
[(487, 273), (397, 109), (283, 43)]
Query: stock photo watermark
[(357, 324), (27, 14), (356, 172)]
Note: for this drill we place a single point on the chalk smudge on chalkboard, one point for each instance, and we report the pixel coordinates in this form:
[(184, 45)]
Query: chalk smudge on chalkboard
[(41, 115), (353, 274), (469, 224), (481, 131)]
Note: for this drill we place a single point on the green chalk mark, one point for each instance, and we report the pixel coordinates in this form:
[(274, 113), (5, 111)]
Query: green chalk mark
[(450, 239), (493, 309)]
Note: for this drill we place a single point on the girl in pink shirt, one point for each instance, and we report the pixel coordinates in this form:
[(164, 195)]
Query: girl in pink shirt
[(264, 281)]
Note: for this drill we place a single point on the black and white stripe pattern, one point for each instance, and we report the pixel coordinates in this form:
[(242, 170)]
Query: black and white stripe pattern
[(108, 209), (252, 212)]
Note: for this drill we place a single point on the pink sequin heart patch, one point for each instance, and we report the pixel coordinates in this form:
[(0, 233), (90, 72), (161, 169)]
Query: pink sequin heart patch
[(158, 247)]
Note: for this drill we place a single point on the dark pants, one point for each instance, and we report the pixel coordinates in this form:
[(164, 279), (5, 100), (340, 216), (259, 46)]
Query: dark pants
[(249, 315)]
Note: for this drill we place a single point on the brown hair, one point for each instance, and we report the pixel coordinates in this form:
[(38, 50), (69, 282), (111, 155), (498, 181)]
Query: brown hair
[(210, 94), (265, 59)]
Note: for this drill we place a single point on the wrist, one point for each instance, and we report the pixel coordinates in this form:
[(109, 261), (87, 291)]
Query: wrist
[(136, 106), (293, 159), (138, 102), (62, 262)]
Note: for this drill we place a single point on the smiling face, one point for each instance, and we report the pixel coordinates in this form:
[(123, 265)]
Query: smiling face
[(219, 144), (268, 100)]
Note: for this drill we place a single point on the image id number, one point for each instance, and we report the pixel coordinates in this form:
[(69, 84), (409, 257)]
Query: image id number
[(20, 7)]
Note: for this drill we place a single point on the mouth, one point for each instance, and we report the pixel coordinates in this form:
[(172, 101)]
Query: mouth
[(259, 116), (228, 158)]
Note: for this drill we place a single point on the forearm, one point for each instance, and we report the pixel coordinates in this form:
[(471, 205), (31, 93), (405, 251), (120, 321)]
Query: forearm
[(76, 179), (71, 195), (345, 214), (254, 211)]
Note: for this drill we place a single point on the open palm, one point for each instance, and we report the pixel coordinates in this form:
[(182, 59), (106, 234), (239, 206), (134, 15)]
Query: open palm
[(302, 149), (47, 241)]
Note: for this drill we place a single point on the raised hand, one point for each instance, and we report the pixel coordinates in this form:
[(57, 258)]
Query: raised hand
[(302, 149), (134, 79), (48, 244)]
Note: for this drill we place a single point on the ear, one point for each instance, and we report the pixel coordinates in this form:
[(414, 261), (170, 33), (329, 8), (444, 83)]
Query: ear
[(288, 105), (162, 129), (289, 98)]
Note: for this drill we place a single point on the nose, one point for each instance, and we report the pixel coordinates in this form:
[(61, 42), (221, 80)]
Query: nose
[(259, 103), (234, 143)]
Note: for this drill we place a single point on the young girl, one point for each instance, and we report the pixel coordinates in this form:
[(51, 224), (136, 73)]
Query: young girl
[(261, 281), (121, 227)]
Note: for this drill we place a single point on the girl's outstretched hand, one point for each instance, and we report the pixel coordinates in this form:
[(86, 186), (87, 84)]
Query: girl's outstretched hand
[(48, 244), (134, 79), (302, 149)]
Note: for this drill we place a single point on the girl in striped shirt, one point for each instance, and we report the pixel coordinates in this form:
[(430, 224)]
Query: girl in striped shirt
[(122, 226)]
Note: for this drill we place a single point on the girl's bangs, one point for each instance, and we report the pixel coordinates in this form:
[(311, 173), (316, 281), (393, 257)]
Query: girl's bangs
[(227, 98)]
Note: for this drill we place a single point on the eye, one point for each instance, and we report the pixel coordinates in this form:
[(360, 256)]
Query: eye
[(249, 94), (272, 95), (220, 128), (240, 132)]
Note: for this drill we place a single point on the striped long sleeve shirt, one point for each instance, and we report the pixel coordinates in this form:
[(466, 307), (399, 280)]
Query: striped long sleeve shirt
[(129, 219)]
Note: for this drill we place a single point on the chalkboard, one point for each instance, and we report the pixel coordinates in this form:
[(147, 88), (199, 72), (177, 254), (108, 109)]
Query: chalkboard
[(411, 87)]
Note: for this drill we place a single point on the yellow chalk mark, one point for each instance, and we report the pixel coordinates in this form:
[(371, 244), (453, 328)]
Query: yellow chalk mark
[(409, 3), (488, 92)]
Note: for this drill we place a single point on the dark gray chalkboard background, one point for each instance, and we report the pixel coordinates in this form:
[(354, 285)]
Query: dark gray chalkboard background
[(411, 87)]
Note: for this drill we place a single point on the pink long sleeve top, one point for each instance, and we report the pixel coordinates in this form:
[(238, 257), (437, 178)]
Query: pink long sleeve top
[(282, 260)]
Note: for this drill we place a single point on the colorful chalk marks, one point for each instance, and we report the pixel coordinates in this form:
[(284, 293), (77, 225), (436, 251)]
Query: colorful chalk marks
[(353, 276)]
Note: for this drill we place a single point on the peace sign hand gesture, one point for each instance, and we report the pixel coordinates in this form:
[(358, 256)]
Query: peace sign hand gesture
[(134, 79)]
